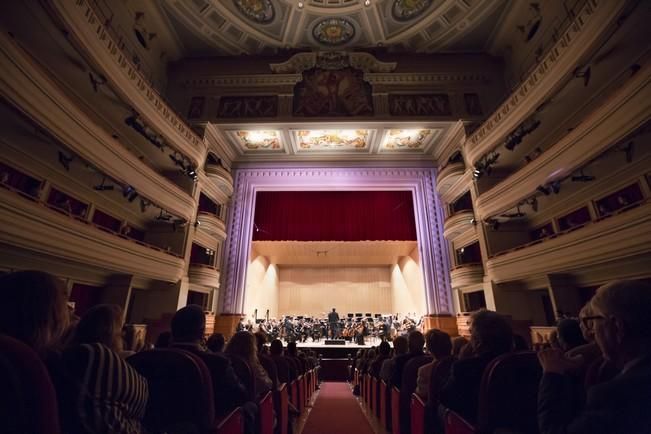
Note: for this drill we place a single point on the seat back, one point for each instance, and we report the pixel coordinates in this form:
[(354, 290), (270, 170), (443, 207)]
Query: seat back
[(266, 418), (244, 373), (440, 373), (27, 397), (180, 391), (408, 386), (232, 424), (508, 393), (281, 405), (395, 410), (455, 424), (417, 415), (385, 404)]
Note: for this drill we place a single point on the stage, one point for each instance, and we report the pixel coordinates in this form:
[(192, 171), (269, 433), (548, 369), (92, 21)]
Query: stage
[(336, 351)]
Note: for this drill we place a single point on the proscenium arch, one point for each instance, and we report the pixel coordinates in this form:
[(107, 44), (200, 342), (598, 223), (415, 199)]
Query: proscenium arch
[(428, 215)]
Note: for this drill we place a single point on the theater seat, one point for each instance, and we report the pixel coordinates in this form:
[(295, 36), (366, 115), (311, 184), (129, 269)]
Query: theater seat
[(281, 406), (180, 391), (455, 424), (417, 415), (508, 395), (28, 401), (266, 418), (408, 386), (395, 410)]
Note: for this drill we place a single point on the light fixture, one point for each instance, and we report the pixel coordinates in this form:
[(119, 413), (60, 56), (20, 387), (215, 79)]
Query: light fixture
[(585, 74), (300, 5), (581, 177), (65, 160), (144, 204), (556, 187), (367, 2), (132, 196), (103, 186)]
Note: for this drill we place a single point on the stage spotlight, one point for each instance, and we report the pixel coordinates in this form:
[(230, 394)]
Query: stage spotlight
[(534, 204), (127, 190), (585, 74), (476, 173), (65, 161), (132, 196), (96, 82), (581, 177), (164, 216), (543, 190), (103, 186), (144, 205)]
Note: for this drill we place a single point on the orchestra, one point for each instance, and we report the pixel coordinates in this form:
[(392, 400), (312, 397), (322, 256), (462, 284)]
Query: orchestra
[(353, 329)]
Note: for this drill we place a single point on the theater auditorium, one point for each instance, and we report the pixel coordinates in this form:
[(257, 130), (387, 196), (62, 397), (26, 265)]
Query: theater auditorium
[(325, 217)]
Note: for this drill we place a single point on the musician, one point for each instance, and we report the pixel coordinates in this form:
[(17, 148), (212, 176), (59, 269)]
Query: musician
[(240, 325), (382, 330), (360, 331), (333, 321)]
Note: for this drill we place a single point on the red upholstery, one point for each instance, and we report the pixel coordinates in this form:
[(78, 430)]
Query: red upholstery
[(509, 392), (281, 406), (293, 393), (417, 415), (231, 424), (28, 401), (180, 390), (300, 397), (408, 386), (385, 405), (266, 414), (374, 401), (455, 424), (395, 410), (367, 385)]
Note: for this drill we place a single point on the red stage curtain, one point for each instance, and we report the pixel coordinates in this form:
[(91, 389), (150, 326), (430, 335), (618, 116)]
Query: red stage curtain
[(334, 216)]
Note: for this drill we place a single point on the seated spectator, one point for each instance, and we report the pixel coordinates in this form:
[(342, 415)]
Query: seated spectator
[(286, 370), (243, 344), (188, 327), (458, 344), (34, 310), (163, 340), (590, 350), (569, 334), (368, 359), (292, 353), (265, 360), (490, 337), (400, 347), (101, 324), (384, 351), (620, 313), (439, 346), (216, 342), (416, 342)]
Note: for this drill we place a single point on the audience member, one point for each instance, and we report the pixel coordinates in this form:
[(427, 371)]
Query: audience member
[(416, 342), (286, 370), (216, 342), (620, 315), (570, 334), (101, 324), (400, 347), (292, 353), (384, 351), (243, 344), (590, 351), (188, 327), (164, 340), (265, 359), (439, 346), (490, 336), (34, 310), (458, 344), (368, 359)]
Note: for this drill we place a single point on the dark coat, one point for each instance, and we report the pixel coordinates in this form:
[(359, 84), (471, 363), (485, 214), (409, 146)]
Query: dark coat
[(619, 406)]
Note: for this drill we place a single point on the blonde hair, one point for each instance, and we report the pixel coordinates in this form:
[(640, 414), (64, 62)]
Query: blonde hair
[(243, 344), (101, 324), (34, 309)]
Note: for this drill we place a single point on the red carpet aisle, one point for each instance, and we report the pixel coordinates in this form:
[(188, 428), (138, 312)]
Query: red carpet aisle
[(336, 411)]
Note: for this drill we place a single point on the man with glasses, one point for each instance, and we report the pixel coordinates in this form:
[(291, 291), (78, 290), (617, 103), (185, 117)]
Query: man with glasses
[(621, 323)]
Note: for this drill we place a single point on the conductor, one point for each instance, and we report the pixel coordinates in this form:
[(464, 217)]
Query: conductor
[(333, 322)]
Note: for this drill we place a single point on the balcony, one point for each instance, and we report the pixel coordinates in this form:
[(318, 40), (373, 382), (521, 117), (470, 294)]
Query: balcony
[(221, 178), (65, 238), (457, 224), (622, 113), (204, 275), (29, 87), (466, 275), (579, 39), (104, 49), (212, 225), (617, 237), (448, 176)]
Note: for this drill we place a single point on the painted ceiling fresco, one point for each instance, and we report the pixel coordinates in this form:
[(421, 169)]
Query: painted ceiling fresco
[(257, 140), (332, 140), (404, 140), (333, 31)]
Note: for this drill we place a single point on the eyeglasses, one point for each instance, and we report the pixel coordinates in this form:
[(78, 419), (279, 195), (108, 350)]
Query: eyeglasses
[(585, 319)]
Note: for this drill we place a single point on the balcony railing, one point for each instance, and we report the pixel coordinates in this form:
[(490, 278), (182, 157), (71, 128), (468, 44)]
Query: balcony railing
[(466, 275), (448, 176), (212, 225), (457, 224), (221, 177), (204, 275)]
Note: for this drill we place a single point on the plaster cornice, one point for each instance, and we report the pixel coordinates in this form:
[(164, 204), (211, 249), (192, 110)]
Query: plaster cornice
[(29, 88), (589, 27), (241, 80), (97, 44)]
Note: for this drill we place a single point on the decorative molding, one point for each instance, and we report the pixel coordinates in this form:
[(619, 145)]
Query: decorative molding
[(221, 177), (241, 80), (211, 225), (211, 188), (581, 36), (457, 224), (303, 61), (448, 176), (422, 79), (204, 275), (428, 213), (453, 141), (46, 232), (624, 235), (98, 45), (622, 113), (466, 275), (28, 87)]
